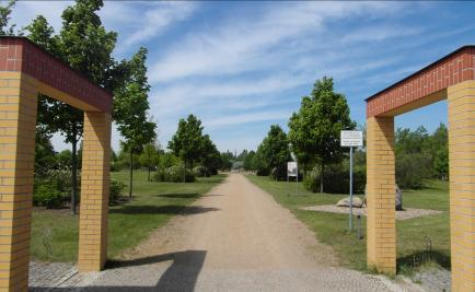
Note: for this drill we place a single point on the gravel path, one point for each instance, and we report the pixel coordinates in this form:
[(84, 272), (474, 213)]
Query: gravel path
[(407, 213), (239, 239)]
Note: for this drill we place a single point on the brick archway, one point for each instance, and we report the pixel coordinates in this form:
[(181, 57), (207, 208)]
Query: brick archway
[(25, 71), (451, 78)]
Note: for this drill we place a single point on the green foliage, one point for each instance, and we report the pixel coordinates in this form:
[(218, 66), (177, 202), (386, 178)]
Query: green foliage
[(249, 161), (273, 154), (314, 131), (175, 173), (187, 142), (420, 156), (412, 170), (5, 12), (116, 189), (168, 159), (149, 158), (48, 195), (200, 171), (210, 157), (337, 179), (227, 159), (83, 44)]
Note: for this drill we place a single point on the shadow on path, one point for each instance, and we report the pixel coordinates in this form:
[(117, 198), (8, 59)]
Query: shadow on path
[(167, 209), (180, 276)]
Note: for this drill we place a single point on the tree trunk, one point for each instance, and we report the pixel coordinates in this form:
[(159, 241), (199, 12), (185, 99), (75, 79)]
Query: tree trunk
[(184, 171), (322, 173), (131, 173), (149, 180), (74, 166)]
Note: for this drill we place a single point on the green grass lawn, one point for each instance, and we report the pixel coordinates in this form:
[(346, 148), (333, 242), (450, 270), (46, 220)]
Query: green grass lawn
[(55, 232), (332, 229)]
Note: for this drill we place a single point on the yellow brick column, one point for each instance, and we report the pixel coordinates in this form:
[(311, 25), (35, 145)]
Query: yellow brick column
[(381, 226), (461, 100), (18, 104), (94, 191)]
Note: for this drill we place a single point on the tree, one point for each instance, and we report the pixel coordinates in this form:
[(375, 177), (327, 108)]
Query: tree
[(249, 163), (227, 159), (210, 156), (149, 158), (440, 152), (84, 45), (186, 143), (314, 131), (130, 110), (5, 12), (274, 151)]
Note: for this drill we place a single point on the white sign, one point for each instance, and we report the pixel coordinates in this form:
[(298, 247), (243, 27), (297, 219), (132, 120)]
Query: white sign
[(292, 168), (351, 138)]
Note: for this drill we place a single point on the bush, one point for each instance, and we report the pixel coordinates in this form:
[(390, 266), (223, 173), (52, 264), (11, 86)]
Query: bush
[(279, 173), (173, 174), (200, 171), (336, 179), (47, 194), (412, 169), (115, 191)]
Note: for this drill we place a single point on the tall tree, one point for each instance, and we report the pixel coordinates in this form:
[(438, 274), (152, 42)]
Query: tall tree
[(210, 156), (5, 12), (130, 111), (85, 45), (149, 158), (315, 129), (186, 143), (274, 151)]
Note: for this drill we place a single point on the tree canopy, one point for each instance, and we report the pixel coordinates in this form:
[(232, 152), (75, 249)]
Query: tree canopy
[(314, 131)]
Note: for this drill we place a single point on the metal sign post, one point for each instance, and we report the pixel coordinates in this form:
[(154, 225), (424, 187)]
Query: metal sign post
[(351, 139)]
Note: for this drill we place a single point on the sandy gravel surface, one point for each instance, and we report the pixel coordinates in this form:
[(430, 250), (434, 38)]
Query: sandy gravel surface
[(237, 239), (407, 213)]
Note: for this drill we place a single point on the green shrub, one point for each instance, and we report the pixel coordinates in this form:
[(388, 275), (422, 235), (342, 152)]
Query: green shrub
[(173, 174), (412, 169), (279, 173), (336, 179), (200, 171), (116, 188), (48, 195)]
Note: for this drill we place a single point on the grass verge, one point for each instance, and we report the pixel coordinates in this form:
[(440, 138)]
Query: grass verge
[(413, 235), (55, 232)]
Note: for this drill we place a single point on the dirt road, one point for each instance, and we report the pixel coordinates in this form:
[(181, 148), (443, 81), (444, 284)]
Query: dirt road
[(235, 238)]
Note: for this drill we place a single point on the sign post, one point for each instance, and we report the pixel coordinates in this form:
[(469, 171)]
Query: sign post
[(351, 139), (293, 170)]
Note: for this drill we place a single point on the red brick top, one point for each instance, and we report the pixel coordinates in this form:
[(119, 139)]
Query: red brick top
[(19, 54), (454, 68)]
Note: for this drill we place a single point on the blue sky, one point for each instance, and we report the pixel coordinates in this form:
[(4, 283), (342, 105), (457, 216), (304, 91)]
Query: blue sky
[(242, 66)]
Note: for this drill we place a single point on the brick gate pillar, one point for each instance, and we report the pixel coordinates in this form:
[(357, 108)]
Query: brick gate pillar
[(94, 191), (381, 225), (18, 104), (461, 102)]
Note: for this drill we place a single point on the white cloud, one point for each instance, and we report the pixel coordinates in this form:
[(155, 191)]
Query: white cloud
[(243, 45), (157, 20), (240, 119)]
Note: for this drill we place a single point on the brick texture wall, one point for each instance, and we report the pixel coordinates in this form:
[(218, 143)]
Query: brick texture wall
[(455, 68), (461, 100), (18, 103), (94, 191), (19, 54), (381, 225)]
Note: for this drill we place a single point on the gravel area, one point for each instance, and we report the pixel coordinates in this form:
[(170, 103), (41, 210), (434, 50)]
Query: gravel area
[(434, 279), (241, 240), (407, 213)]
